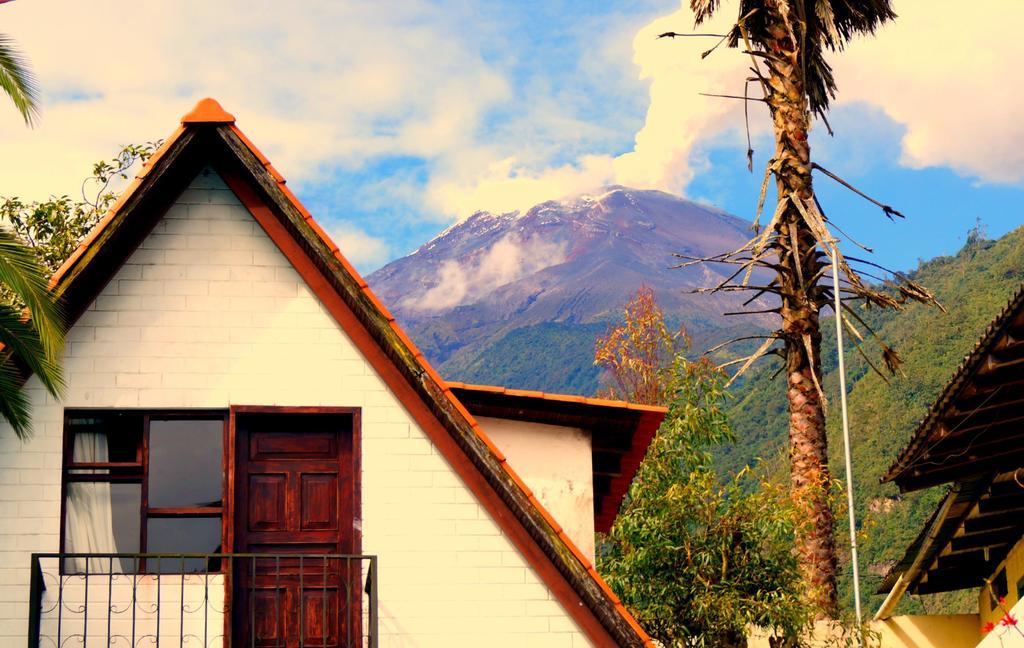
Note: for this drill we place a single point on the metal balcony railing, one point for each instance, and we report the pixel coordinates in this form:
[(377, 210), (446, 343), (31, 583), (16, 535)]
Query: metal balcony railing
[(210, 600)]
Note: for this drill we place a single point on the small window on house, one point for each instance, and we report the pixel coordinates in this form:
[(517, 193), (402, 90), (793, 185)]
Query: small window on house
[(142, 483), (1000, 588)]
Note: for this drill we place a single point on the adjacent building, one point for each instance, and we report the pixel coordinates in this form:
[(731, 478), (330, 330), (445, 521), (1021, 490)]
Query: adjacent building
[(972, 440)]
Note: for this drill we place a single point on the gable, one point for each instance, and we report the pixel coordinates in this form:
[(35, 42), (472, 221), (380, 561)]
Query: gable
[(207, 313), (209, 138)]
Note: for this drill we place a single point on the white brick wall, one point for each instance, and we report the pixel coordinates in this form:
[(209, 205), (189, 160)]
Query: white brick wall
[(556, 462), (207, 313)]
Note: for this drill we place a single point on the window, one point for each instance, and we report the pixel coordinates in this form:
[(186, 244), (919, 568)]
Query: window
[(142, 482), (1000, 588)]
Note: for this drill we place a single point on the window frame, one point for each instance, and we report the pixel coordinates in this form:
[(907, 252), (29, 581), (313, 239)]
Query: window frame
[(137, 472)]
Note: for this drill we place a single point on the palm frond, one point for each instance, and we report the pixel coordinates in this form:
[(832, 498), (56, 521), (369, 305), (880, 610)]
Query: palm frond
[(21, 274), (17, 81), (32, 338), (821, 26), (14, 403), (20, 338)]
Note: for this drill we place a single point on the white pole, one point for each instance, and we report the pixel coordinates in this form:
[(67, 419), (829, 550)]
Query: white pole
[(846, 434)]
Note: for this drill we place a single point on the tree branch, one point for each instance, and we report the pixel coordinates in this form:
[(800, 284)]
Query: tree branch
[(889, 211)]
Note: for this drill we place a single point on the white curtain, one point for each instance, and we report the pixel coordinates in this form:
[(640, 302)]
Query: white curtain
[(89, 525)]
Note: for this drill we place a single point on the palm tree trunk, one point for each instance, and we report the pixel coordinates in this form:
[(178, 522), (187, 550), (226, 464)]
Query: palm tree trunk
[(800, 262)]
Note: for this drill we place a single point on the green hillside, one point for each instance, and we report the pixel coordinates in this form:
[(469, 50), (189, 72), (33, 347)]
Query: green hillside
[(974, 285), (553, 356)]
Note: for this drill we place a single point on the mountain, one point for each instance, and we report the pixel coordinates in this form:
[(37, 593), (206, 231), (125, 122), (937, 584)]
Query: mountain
[(974, 285), (485, 294)]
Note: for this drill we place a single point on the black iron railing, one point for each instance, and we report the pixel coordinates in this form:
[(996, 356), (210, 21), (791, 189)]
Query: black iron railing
[(208, 600)]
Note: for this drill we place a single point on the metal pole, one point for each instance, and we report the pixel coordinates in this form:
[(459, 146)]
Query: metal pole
[(846, 433)]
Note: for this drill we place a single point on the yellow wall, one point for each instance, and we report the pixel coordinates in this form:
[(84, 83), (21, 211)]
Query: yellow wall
[(1014, 564), (932, 631)]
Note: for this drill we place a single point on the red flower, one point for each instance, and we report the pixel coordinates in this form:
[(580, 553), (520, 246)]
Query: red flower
[(1002, 600), (1008, 620), (988, 627)]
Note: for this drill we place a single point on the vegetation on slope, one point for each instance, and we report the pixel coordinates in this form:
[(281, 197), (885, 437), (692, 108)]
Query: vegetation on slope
[(554, 356), (973, 285)]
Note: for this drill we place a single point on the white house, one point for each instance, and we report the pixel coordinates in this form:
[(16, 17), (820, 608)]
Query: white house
[(250, 451)]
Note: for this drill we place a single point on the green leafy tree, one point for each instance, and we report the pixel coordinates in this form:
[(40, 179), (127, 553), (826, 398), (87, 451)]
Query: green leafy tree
[(54, 227), (699, 562)]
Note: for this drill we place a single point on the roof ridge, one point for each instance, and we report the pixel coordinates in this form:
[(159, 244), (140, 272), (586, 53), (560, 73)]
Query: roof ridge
[(208, 111)]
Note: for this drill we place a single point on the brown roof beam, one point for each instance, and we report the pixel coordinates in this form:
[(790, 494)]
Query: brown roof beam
[(997, 503), (966, 560), (991, 540), (1012, 519), (950, 581), (937, 471), (994, 412)]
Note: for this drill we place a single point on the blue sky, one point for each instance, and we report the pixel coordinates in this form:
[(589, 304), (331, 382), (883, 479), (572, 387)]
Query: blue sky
[(394, 119)]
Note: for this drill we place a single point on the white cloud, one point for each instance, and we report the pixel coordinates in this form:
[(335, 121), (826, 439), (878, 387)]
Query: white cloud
[(677, 118), (465, 281), (948, 73), (365, 251)]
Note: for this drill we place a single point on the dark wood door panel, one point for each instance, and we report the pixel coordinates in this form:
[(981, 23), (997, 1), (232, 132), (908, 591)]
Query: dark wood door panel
[(266, 500), (318, 501), (295, 494), (285, 445)]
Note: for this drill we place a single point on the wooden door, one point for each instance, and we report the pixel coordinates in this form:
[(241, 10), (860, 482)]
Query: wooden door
[(294, 502)]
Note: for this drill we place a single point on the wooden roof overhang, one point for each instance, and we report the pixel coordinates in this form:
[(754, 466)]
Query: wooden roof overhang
[(972, 436), (969, 534), (208, 137), (976, 426), (620, 432)]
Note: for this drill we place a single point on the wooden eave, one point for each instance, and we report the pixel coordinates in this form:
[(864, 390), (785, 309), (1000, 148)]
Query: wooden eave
[(976, 426), (620, 432), (983, 521), (208, 136)]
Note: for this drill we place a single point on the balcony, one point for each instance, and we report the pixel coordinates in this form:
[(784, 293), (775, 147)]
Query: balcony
[(208, 600)]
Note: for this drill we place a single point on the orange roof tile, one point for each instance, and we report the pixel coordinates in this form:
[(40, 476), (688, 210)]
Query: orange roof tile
[(208, 111), (565, 398)]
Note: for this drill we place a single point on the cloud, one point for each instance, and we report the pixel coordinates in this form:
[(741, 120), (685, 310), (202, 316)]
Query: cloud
[(365, 251), (949, 75), (947, 83), (465, 281), (660, 158), (332, 88), (328, 85)]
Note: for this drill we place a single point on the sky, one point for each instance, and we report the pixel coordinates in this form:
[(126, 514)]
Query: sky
[(393, 119)]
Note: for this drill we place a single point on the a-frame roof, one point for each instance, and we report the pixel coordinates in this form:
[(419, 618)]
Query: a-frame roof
[(208, 136)]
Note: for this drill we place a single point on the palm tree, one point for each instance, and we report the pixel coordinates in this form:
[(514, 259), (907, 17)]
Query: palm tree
[(31, 326), (787, 42)]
